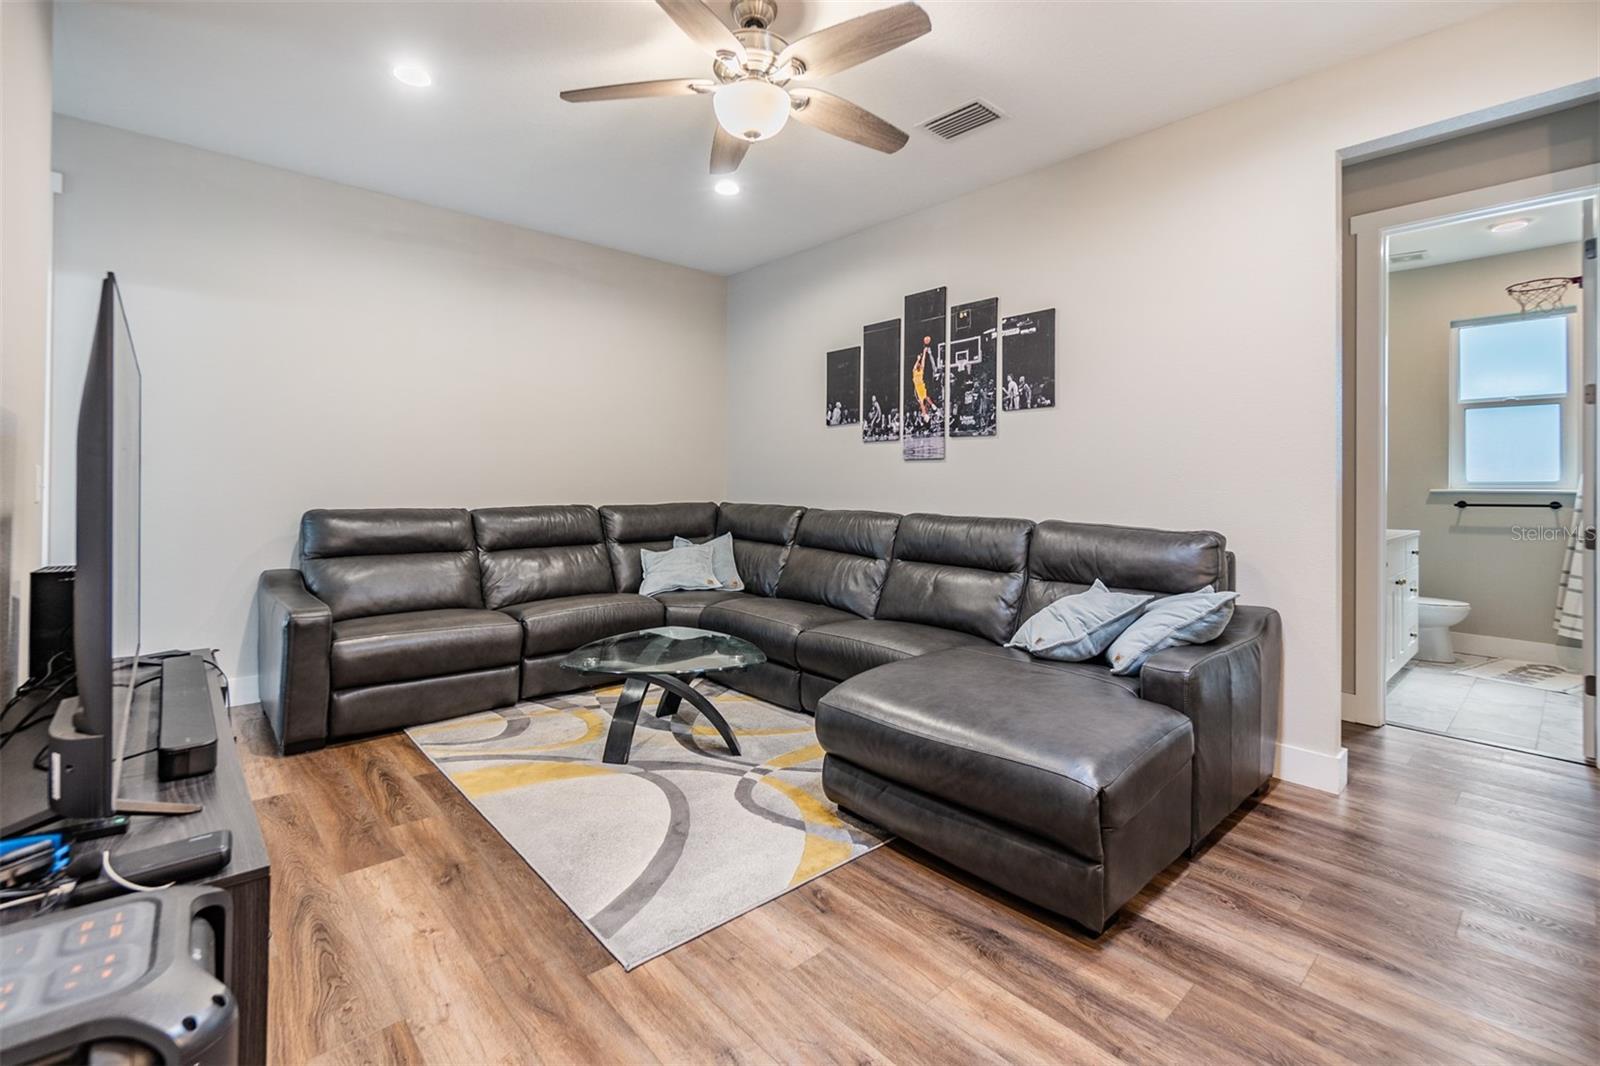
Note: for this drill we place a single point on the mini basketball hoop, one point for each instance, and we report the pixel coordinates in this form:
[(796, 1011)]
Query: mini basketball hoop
[(1541, 294)]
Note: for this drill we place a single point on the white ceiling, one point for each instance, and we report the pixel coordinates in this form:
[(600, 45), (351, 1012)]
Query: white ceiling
[(306, 86), (1456, 241)]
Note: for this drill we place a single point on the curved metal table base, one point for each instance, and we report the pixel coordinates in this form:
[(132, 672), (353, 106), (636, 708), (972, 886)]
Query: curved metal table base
[(674, 690)]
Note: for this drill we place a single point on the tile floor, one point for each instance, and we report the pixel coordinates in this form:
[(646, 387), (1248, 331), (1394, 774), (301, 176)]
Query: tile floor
[(1440, 700)]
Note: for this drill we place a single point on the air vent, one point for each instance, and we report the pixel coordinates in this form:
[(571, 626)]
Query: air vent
[(962, 120), (1407, 257)]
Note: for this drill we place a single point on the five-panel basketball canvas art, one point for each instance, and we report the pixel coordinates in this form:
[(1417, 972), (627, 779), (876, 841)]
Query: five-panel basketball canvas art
[(941, 372)]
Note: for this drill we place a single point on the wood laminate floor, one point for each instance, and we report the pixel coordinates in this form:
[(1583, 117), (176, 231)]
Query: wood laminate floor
[(1442, 910)]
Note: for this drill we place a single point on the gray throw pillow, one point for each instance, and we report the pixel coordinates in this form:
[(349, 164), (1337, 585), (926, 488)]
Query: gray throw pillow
[(1081, 626), (722, 562), (1189, 618), (677, 569)]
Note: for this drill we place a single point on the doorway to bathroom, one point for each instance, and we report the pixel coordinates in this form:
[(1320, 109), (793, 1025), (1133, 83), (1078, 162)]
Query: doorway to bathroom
[(1476, 442)]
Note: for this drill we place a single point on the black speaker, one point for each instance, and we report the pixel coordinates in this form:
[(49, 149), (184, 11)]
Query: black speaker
[(50, 619)]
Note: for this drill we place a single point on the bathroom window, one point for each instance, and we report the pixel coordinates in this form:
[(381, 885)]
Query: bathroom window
[(1514, 414)]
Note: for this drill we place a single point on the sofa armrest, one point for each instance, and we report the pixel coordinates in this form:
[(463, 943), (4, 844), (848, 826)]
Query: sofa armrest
[(294, 646), (1231, 690)]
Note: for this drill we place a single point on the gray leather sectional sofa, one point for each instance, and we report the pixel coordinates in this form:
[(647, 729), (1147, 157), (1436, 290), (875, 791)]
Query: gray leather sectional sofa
[(1059, 782)]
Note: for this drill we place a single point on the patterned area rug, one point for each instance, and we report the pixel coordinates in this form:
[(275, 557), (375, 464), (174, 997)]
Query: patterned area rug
[(683, 838), (1532, 675)]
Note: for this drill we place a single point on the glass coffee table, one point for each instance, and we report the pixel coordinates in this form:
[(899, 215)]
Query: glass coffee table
[(668, 657)]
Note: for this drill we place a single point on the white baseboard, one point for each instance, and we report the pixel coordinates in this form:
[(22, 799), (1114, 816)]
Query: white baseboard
[(1326, 773), (243, 690), (1532, 651)]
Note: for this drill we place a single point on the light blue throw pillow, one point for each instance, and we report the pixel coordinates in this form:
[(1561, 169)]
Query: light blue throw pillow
[(1189, 618), (687, 568), (1081, 626), (722, 561)]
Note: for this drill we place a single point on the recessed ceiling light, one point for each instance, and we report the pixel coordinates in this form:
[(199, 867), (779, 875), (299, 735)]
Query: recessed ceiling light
[(727, 187), (413, 75), (1510, 225)]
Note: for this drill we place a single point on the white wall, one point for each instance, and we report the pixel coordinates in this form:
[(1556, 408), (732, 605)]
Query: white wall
[(1195, 270), (1466, 555), (24, 299), (306, 344)]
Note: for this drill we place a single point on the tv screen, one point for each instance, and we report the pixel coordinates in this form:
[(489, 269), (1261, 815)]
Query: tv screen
[(86, 760)]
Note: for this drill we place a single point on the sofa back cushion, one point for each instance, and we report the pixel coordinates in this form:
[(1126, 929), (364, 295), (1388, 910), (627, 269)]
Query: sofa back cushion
[(839, 559), (1066, 557), (966, 574), (536, 553), (630, 527), (762, 536), (383, 561)]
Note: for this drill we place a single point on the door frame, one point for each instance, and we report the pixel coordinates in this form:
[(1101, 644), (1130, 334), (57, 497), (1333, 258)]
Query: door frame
[(1372, 232), (1590, 341)]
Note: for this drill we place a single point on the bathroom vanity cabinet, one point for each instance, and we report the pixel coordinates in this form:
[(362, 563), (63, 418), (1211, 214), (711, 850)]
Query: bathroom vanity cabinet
[(1402, 585)]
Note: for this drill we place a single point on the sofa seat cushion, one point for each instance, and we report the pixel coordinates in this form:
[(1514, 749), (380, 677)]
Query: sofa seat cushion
[(385, 648), (1063, 756), (844, 649), (773, 625), (569, 622), (683, 608)]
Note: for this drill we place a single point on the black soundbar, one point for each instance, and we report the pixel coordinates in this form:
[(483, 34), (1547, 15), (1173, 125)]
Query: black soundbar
[(188, 737)]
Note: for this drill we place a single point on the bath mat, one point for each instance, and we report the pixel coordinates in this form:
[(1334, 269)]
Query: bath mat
[(1532, 675), (683, 838)]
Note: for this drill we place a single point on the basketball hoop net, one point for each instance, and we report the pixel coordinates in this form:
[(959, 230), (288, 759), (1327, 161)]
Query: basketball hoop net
[(1541, 294)]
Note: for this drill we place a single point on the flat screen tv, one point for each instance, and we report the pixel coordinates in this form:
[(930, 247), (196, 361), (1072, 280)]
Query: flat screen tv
[(89, 733)]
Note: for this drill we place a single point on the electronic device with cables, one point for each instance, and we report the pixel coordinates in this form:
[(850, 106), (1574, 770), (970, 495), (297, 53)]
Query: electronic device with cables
[(29, 860), (86, 656), (182, 860), (50, 618), (88, 730), (89, 876), (141, 980), (174, 725)]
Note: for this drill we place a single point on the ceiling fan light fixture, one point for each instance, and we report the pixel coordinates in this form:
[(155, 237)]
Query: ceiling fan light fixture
[(413, 74), (751, 67), (752, 109)]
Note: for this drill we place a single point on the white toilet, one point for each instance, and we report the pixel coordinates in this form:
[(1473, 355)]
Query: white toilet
[(1434, 619)]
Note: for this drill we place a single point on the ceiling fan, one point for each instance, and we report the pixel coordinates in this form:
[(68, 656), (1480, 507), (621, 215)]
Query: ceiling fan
[(758, 79)]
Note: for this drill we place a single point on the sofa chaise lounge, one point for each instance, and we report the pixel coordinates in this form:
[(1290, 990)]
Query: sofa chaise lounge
[(1060, 782)]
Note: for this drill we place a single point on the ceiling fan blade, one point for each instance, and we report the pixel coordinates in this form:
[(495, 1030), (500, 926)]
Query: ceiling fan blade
[(702, 25), (856, 40), (635, 90), (838, 116), (727, 151)]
